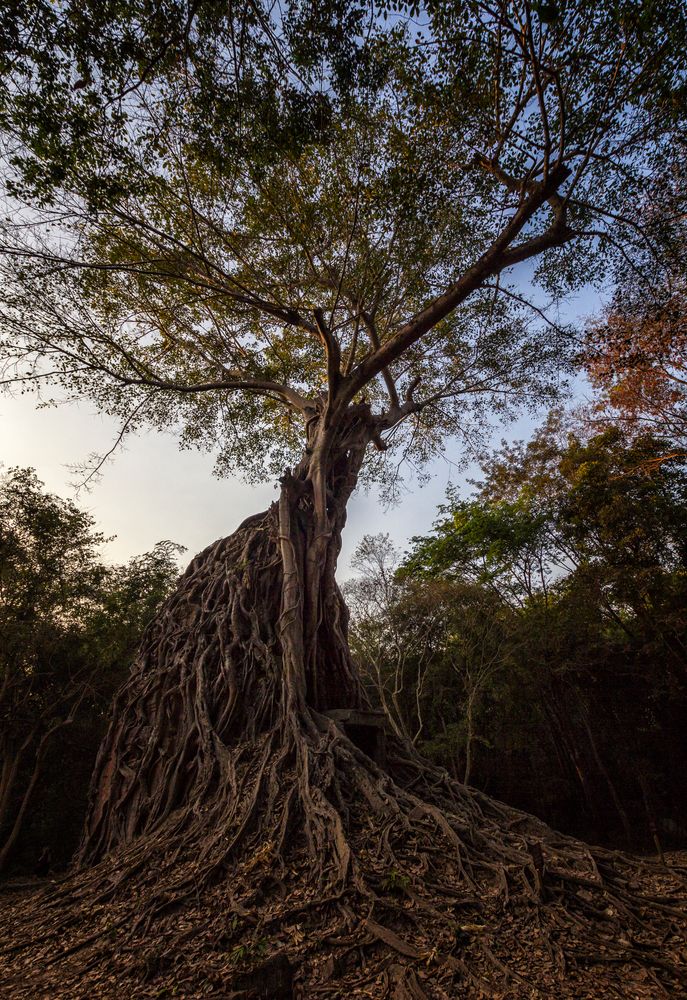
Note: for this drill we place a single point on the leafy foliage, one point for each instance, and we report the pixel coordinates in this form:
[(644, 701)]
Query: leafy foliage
[(556, 674), (200, 184), (68, 627), (636, 356)]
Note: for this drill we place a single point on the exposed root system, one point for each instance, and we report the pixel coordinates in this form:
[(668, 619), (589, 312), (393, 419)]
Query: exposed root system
[(234, 827)]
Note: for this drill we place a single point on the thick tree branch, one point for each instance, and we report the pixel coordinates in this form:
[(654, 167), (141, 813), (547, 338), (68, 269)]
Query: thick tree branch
[(495, 259), (371, 327), (262, 387), (332, 352)]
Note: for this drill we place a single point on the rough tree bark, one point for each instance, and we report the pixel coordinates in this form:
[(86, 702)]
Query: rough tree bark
[(233, 821), (251, 649)]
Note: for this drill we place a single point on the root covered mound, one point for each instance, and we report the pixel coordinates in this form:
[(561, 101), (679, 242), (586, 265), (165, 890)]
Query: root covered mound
[(239, 844)]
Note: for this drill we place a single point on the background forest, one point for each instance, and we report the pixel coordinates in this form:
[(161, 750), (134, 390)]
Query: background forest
[(534, 642), (69, 626)]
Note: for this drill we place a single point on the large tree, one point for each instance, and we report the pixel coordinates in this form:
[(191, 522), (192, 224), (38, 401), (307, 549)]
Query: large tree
[(293, 233)]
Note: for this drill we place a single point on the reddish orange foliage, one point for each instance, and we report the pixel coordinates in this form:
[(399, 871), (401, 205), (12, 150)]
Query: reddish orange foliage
[(638, 359)]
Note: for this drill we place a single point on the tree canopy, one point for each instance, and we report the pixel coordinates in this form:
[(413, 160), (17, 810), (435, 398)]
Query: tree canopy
[(218, 218)]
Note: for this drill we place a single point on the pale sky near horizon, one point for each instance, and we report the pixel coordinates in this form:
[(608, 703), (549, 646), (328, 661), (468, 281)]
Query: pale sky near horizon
[(151, 490)]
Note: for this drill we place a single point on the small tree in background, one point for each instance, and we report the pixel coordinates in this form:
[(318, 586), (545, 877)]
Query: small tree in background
[(394, 633), (429, 649)]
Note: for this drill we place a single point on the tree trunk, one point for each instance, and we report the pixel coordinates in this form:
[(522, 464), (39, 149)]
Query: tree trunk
[(8, 777), (13, 834), (469, 737), (251, 649)]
